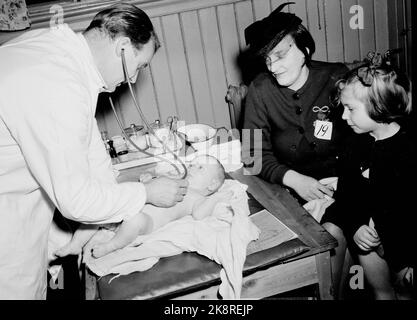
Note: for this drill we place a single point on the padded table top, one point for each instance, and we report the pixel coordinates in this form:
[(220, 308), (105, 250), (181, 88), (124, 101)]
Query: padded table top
[(187, 272)]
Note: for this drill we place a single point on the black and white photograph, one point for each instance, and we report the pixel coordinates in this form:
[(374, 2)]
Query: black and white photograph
[(209, 158)]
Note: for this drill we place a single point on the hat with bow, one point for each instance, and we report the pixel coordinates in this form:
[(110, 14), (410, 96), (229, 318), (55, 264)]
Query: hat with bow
[(262, 32)]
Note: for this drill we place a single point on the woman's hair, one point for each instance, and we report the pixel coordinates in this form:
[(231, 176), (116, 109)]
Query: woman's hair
[(302, 38), (127, 20), (385, 91)]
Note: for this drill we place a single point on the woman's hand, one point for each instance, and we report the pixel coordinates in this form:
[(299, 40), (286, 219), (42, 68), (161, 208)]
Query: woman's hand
[(366, 238), (306, 187)]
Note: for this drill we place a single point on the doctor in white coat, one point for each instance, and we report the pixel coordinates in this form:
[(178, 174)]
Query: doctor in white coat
[(51, 153)]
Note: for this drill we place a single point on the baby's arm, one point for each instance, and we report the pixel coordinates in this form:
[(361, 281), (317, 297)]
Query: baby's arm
[(204, 207), (125, 234), (78, 241)]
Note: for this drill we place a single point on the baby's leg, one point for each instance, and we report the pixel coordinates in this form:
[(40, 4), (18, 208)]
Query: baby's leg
[(79, 239), (127, 232)]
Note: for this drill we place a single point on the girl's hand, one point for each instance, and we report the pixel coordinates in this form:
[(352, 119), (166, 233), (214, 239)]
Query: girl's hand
[(306, 187), (366, 238)]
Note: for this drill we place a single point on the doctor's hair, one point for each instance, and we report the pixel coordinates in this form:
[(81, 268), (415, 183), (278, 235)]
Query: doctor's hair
[(302, 39), (387, 98), (123, 19)]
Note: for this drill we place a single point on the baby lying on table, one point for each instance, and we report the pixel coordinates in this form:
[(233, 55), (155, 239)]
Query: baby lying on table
[(205, 176)]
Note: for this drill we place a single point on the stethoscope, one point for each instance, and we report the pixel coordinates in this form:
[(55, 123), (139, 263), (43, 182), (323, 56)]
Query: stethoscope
[(145, 121)]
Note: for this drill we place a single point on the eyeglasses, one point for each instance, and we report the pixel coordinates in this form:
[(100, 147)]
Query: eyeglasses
[(277, 56)]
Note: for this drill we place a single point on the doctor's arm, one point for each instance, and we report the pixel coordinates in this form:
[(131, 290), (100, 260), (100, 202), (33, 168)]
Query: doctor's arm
[(53, 128)]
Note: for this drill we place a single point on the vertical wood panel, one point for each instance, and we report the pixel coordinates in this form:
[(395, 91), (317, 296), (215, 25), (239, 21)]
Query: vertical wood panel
[(393, 27), (300, 9), (367, 34), (179, 68), (401, 39), (110, 120), (261, 8), (197, 67), (145, 93), (381, 25), (229, 42), (350, 36), (409, 39), (214, 59), (244, 17), (316, 26), (334, 32), (161, 75)]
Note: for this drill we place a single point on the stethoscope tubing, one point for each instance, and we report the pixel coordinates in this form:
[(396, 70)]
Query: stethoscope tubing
[(150, 129)]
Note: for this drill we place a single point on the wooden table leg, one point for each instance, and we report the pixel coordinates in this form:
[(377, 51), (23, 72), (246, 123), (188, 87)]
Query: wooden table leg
[(91, 290), (324, 274)]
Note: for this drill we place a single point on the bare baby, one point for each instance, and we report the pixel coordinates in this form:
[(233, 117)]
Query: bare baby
[(205, 176)]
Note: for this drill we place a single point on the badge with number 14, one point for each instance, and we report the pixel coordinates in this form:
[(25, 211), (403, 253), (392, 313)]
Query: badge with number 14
[(323, 129)]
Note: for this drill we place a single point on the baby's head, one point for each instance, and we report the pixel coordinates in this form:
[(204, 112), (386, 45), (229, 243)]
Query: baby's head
[(205, 174), (373, 95)]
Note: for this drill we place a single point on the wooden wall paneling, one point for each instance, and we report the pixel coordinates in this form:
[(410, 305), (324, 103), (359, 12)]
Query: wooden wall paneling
[(299, 9), (334, 31), (179, 70), (261, 8), (146, 96), (216, 69), (197, 67), (393, 27), (244, 17), (110, 122), (316, 26), (229, 42), (367, 34), (409, 38), (381, 25), (401, 26), (350, 36), (126, 108), (161, 76)]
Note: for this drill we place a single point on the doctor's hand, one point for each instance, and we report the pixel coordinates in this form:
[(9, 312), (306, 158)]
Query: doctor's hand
[(306, 187), (165, 192), (366, 238)]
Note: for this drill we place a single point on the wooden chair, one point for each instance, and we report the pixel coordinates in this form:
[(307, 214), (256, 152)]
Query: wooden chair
[(235, 98)]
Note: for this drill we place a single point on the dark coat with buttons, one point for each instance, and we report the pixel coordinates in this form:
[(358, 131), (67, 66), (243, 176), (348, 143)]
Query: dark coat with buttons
[(386, 195), (286, 118)]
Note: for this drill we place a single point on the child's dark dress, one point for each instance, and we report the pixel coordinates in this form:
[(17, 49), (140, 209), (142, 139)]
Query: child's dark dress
[(389, 196)]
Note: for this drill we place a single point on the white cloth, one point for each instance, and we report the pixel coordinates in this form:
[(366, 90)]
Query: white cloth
[(317, 207), (222, 237), (51, 153)]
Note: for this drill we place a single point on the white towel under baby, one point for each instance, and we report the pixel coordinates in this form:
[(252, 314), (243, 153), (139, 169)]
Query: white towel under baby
[(222, 237)]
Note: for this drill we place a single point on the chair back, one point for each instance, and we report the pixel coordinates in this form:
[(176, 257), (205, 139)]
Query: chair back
[(235, 98)]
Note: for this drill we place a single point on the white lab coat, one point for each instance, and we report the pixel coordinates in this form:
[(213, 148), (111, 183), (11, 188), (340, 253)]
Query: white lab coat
[(51, 153)]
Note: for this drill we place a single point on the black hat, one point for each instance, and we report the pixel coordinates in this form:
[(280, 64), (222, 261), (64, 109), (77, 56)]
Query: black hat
[(262, 32)]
